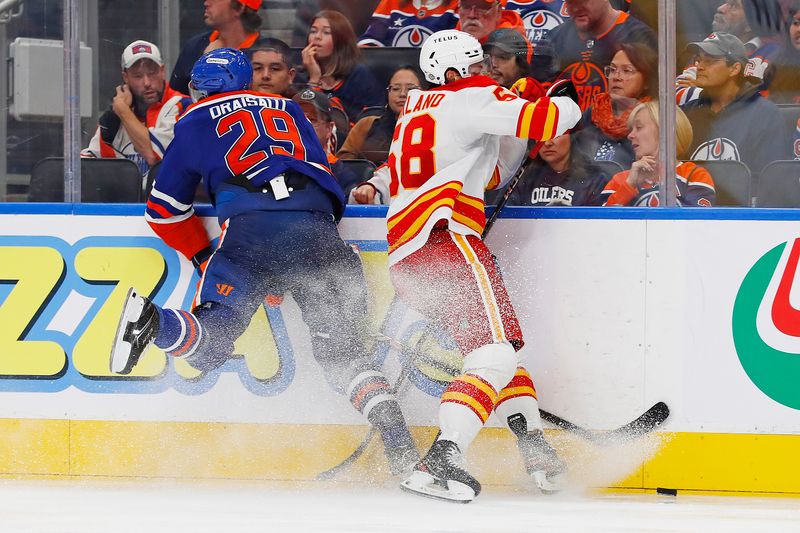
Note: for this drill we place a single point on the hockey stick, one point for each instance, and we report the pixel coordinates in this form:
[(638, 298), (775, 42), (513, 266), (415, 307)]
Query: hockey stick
[(359, 451), (509, 189), (560, 88), (405, 370), (643, 424)]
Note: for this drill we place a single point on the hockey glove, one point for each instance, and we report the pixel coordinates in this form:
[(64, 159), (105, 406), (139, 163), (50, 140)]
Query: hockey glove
[(567, 88), (200, 260), (528, 88), (564, 88)]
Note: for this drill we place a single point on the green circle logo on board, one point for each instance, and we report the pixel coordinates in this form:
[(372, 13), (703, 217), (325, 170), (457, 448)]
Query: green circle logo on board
[(775, 372)]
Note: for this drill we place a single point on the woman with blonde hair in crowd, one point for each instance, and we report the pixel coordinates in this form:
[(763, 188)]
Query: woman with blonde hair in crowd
[(331, 62), (639, 186)]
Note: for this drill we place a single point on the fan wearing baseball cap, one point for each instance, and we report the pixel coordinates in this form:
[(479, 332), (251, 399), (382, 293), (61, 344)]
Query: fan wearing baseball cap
[(479, 18), (730, 119), (233, 23), (510, 54), (326, 115), (139, 124)]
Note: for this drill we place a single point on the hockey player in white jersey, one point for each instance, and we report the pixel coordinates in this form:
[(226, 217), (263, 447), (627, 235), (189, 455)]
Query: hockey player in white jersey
[(450, 144)]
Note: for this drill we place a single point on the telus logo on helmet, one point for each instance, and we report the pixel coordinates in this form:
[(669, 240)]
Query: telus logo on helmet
[(766, 326)]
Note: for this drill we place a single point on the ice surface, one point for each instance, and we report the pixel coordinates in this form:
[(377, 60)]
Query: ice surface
[(97, 506)]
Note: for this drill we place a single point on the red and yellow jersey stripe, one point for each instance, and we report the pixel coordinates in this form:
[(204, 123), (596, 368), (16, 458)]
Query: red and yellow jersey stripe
[(473, 392), (538, 120), (520, 385), (409, 222)]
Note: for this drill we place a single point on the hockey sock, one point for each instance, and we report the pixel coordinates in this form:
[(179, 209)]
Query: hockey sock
[(519, 398), (180, 333), (466, 405), (370, 394), (470, 398)]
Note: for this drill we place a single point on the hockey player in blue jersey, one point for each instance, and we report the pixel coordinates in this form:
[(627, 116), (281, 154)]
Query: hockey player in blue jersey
[(277, 204)]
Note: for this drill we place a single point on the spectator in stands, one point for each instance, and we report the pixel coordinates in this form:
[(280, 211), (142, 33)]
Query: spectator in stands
[(639, 186), (539, 18), (479, 18), (140, 123), (559, 175), (632, 76), (785, 87), (731, 17), (371, 136), (234, 24), (318, 111), (588, 40), (407, 23), (510, 54), (331, 64), (273, 70), (731, 120)]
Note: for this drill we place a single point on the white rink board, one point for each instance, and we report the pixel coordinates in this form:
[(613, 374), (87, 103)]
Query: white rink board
[(618, 314)]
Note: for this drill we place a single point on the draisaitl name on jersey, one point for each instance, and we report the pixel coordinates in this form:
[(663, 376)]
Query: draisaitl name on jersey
[(240, 102)]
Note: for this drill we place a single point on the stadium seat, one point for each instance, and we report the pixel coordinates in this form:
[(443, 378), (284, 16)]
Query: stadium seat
[(102, 181), (362, 168), (200, 195), (790, 112), (382, 61), (778, 185), (732, 182)]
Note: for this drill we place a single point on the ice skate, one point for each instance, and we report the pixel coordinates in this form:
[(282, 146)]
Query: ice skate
[(441, 475), (402, 459), (137, 328), (542, 462)]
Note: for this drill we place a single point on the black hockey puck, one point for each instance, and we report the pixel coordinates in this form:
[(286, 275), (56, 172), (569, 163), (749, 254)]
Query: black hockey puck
[(668, 492)]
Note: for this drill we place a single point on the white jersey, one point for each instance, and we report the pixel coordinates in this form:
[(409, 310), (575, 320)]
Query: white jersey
[(453, 143), (160, 122)]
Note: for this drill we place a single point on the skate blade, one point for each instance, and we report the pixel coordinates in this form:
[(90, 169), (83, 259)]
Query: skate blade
[(121, 349), (425, 484), (549, 485)]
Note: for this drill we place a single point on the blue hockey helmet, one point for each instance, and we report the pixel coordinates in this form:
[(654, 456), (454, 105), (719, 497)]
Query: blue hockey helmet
[(220, 71)]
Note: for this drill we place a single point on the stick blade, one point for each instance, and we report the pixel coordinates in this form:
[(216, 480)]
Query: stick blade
[(642, 425), (647, 422)]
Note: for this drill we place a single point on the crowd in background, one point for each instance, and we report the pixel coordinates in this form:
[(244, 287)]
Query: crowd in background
[(727, 92)]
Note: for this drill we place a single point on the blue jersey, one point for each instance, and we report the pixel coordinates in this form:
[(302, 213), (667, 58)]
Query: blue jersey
[(749, 129), (240, 133), (539, 16), (399, 23), (582, 60)]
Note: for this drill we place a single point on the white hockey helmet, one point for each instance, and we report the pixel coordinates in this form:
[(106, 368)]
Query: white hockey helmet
[(448, 49)]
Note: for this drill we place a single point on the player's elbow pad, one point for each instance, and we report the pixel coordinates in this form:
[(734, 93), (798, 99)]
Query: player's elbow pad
[(569, 114)]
